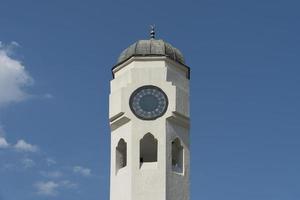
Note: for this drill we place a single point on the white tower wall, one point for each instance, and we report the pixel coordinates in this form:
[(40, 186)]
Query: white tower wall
[(150, 180)]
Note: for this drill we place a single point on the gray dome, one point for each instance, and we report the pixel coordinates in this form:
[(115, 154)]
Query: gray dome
[(151, 47)]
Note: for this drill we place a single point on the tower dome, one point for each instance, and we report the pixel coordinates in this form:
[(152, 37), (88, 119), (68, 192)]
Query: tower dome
[(151, 47)]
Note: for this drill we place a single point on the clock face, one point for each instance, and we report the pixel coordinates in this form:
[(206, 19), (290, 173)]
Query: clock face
[(148, 102)]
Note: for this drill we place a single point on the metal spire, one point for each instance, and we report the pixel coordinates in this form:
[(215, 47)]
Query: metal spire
[(152, 32)]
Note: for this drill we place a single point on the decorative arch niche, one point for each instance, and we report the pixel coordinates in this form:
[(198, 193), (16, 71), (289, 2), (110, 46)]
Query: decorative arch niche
[(148, 149), (121, 155), (177, 156)]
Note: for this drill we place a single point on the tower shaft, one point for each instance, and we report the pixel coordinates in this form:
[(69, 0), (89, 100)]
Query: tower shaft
[(149, 119)]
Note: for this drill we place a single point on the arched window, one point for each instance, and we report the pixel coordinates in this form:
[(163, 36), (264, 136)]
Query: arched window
[(177, 156), (121, 155), (148, 149)]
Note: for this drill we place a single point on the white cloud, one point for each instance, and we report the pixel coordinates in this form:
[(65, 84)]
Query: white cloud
[(82, 171), (47, 188), (50, 161), (68, 184), (3, 143), (15, 44), (13, 77), (20, 146), (52, 174), (28, 163), (51, 188), (25, 147)]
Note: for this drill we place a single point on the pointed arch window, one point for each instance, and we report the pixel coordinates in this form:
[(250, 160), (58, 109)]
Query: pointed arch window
[(148, 149), (121, 154), (177, 156)]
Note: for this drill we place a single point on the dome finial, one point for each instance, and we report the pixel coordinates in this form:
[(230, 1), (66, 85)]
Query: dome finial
[(152, 32)]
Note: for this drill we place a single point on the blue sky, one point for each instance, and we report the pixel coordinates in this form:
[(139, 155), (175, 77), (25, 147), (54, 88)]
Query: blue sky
[(55, 61)]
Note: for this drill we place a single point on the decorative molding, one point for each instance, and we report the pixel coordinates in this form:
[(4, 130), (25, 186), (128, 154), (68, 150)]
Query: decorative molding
[(180, 119), (119, 122), (113, 118), (149, 58)]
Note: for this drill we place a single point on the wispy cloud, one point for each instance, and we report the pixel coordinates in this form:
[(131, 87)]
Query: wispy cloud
[(23, 146), (20, 146), (27, 163), (51, 188), (52, 174), (50, 161), (3, 143), (82, 170), (68, 184), (48, 96), (47, 188)]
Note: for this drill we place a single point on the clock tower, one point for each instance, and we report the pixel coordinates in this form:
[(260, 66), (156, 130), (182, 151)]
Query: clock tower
[(149, 120)]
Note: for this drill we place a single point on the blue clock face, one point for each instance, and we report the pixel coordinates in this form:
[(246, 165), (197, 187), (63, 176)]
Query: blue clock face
[(148, 102)]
